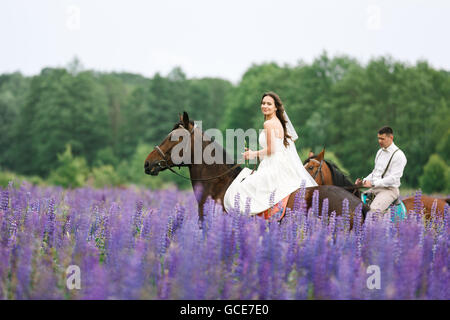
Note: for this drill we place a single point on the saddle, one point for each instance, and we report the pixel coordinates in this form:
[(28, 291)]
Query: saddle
[(367, 198), (399, 207), (278, 211)]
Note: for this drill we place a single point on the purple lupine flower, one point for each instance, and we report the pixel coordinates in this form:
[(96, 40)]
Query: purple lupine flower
[(12, 232), (302, 189), (418, 205), (164, 238), (433, 209), (179, 218), (357, 219), (297, 201), (272, 199), (324, 214), (304, 224), (346, 214), (332, 224), (4, 230), (67, 228), (145, 234), (315, 203), (248, 201), (446, 219), (50, 224), (340, 226), (137, 217), (5, 200), (95, 224), (237, 199)]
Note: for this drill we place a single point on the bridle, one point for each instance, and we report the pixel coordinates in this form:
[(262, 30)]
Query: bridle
[(163, 163), (319, 170)]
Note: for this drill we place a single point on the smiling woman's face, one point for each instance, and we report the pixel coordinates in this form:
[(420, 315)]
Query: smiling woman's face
[(268, 106)]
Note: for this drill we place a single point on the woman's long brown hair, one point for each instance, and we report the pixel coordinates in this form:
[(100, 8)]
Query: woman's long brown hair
[(279, 113)]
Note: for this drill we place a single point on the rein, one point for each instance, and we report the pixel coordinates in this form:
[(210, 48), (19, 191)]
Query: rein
[(166, 166)]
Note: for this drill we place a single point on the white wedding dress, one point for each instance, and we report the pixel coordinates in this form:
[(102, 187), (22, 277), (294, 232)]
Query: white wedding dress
[(280, 171)]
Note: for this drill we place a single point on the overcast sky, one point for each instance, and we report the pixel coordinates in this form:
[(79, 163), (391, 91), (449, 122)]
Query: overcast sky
[(216, 38)]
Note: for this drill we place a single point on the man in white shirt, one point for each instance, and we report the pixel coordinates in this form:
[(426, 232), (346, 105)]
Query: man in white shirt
[(384, 180)]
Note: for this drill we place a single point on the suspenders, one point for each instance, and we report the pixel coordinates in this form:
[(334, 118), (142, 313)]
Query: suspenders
[(385, 170)]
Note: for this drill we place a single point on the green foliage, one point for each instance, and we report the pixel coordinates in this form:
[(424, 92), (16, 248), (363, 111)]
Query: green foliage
[(72, 171), (106, 156), (329, 155), (7, 176), (132, 171), (61, 109), (435, 175), (12, 99), (443, 147), (104, 176), (447, 180)]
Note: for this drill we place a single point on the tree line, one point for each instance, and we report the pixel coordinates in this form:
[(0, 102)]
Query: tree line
[(111, 121)]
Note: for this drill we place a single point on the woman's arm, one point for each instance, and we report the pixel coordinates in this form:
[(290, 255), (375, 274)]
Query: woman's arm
[(269, 129)]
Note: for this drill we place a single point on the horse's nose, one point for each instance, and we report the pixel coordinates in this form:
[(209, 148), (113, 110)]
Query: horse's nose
[(147, 164)]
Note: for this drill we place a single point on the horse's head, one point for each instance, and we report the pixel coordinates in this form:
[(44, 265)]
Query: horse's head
[(314, 166), (160, 159), (325, 172)]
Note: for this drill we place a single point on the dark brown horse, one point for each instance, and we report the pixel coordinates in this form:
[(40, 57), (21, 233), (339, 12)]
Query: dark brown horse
[(327, 173), (212, 180)]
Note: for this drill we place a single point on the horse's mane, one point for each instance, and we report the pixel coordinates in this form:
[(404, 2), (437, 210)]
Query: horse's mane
[(338, 177), (235, 171)]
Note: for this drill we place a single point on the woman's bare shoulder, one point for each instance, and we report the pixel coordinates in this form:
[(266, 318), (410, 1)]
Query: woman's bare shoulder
[(274, 122), (275, 125), (269, 123)]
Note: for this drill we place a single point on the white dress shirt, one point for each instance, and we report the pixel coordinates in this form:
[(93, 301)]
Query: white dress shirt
[(395, 170)]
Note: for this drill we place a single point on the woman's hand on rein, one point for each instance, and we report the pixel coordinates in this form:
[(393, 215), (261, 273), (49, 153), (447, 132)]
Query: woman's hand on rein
[(249, 154)]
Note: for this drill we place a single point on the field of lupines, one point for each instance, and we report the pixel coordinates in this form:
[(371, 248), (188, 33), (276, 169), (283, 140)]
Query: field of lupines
[(144, 244)]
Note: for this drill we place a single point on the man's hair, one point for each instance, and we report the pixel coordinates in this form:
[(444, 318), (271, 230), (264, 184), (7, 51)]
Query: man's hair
[(386, 130)]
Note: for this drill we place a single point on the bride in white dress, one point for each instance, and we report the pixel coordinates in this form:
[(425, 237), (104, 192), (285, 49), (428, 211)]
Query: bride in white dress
[(280, 171)]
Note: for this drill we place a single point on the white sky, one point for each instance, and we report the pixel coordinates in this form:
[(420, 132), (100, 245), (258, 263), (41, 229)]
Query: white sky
[(216, 38)]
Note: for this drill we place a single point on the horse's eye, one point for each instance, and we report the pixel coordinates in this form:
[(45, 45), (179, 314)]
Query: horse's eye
[(312, 167)]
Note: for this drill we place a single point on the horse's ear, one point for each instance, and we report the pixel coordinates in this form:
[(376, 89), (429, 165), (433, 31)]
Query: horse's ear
[(185, 120), (310, 154), (321, 155), (181, 117)]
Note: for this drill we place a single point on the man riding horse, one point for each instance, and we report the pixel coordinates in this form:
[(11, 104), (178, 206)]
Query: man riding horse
[(384, 180)]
